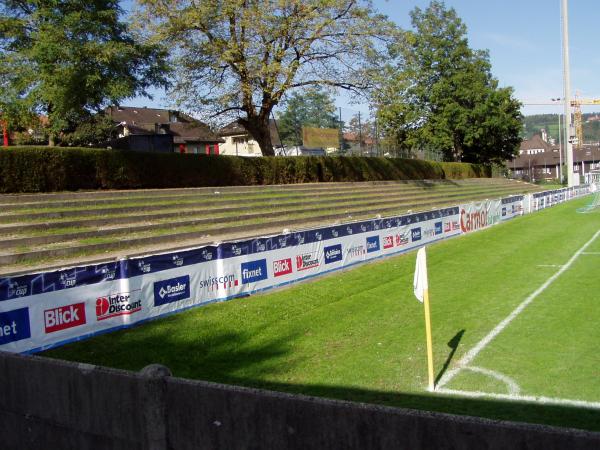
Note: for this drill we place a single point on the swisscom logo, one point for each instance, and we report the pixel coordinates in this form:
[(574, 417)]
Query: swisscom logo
[(14, 326), (253, 271), (172, 290), (333, 253)]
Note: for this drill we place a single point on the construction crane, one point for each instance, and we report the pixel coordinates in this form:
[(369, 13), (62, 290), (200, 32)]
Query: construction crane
[(577, 118)]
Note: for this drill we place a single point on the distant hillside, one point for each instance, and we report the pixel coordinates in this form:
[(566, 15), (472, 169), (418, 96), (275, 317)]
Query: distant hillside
[(533, 124)]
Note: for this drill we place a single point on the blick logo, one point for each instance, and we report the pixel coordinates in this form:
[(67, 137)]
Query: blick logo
[(64, 317), (372, 244), (282, 267), (172, 290), (254, 271), (333, 253), (14, 326)]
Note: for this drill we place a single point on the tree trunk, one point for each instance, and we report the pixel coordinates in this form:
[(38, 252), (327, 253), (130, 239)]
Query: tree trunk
[(259, 128)]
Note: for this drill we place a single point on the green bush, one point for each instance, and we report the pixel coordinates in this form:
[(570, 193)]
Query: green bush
[(47, 169)]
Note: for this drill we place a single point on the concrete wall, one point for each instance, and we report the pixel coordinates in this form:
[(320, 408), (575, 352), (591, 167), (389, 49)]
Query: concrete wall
[(55, 404)]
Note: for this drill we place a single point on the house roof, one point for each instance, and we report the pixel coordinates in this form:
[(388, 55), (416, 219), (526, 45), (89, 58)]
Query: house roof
[(144, 120), (551, 156), (235, 128)]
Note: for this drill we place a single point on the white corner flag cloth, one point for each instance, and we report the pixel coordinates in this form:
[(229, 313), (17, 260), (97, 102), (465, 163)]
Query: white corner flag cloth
[(420, 282)]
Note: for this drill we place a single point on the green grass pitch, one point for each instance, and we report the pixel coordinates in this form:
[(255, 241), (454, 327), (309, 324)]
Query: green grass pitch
[(359, 335)]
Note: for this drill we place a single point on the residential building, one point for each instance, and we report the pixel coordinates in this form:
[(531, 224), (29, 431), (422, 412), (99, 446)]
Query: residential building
[(162, 130), (539, 160), (239, 142)]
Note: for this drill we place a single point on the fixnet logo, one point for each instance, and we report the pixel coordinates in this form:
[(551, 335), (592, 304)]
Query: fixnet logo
[(333, 253), (14, 326), (119, 304), (415, 234), (438, 228), (282, 267), (64, 317), (372, 244), (172, 290), (254, 271)]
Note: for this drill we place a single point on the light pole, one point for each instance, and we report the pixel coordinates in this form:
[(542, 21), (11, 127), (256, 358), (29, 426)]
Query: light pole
[(567, 88)]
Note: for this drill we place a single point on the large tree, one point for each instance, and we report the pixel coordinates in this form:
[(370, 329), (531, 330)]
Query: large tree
[(242, 56), (440, 94), (311, 107), (70, 58)]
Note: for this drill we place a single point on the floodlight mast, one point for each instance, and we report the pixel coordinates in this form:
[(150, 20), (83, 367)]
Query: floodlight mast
[(567, 98)]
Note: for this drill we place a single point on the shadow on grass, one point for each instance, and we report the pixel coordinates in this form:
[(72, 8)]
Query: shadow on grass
[(453, 344), (516, 411), (238, 358)]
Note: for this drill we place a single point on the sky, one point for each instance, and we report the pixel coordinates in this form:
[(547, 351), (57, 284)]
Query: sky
[(524, 40)]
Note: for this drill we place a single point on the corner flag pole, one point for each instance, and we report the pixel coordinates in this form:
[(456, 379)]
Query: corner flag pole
[(421, 289)]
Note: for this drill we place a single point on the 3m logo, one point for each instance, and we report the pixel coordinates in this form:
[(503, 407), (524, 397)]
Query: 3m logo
[(254, 271), (415, 234), (120, 304), (333, 253), (306, 261), (69, 316), (388, 242), (172, 290), (14, 326), (282, 267), (372, 244)]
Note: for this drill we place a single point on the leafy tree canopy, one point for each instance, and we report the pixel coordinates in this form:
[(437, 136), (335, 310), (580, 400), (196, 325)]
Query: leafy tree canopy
[(69, 58), (440, 94), (312, 107), (242, 56)]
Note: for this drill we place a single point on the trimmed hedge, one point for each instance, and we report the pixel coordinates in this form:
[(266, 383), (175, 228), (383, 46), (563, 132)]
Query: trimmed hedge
[(46, 169)]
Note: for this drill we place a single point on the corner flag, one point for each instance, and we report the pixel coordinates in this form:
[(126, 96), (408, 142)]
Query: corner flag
[(421, 289), (420, 283)]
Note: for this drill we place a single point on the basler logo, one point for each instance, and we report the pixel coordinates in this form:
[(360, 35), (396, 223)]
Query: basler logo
[(254, 271), (473, 221), (333, 253), (64, 317), (415, 234), (119, 304), (282, 267), (171, 290), (306, 261)]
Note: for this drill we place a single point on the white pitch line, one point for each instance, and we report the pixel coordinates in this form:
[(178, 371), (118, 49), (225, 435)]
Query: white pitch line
[(549, 265), (522, 398), (513, 387), (591, 253), (465, 360)]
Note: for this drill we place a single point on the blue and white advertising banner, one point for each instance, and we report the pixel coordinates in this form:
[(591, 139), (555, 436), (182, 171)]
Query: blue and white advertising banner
[(479, 215), (512, 207), (44, 310)]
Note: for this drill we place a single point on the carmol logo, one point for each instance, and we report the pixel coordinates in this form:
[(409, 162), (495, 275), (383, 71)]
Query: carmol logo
[(333, 253), (172, 290), (254, 271)]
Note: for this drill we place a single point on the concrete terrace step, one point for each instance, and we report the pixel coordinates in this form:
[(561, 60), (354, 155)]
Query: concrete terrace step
[(130, 227), (299, 206), (191, 196), (108, 195), (212, 207)]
